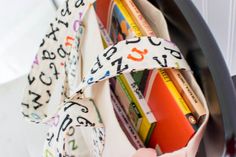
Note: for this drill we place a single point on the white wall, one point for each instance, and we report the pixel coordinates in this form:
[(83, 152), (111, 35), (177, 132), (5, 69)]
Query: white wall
[(220, 15), (23, 25)]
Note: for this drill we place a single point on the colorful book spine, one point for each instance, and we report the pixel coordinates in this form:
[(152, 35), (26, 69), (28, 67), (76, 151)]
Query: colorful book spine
[(186, 92), (105, 37), (138, 18), (149, 121), (128, 104), (128, 18), (125, 123)]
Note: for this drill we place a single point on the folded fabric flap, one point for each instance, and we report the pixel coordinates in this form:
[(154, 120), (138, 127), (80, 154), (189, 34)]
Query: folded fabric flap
[(48, 79)]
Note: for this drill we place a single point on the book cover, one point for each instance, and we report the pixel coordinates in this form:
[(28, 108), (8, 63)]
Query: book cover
[(105, 37), (125, 123), (128, 104), (186, 92), (102, 8), (138, 18), (175, 122), (154, 17), (149, 121), (120, 25)]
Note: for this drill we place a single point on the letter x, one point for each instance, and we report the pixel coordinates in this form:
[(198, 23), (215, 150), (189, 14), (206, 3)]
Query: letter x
[(53, 32)]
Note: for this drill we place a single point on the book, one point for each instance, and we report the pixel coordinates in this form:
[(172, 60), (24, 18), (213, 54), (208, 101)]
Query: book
[(103, 8), (154, 17), (105, 37), (138, 18), (187, 93), (125, 124), (126, 101), (149, 121), (121, 26), (128, 104), (175, 122), (140, 77)]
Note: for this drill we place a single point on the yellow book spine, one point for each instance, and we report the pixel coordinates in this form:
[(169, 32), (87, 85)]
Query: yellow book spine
[(138, 18), (178, 98), (186, 92), (128, 18), (145, 125)]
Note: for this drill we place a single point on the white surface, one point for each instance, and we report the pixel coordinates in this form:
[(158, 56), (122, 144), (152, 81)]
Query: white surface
[(23, 24), (18, 137), (221, 19)]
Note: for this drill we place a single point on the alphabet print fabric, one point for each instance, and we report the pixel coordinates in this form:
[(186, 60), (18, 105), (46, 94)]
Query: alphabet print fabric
[(54, 94)]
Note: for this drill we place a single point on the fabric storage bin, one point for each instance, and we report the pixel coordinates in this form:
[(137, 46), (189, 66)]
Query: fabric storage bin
[(192, 44)]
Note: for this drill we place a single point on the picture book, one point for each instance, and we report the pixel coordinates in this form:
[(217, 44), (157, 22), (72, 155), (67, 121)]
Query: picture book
[(102, 8), (138, 18), (154, 17), (186, 92), (128, 104), (125, 123), (175, 122), (149, 121), (121, 25)]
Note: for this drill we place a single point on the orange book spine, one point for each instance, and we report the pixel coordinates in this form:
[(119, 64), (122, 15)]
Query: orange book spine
[(138, 18), (186, 92)]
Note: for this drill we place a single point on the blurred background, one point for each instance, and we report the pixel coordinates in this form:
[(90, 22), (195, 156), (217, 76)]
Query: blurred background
[(23, 25)]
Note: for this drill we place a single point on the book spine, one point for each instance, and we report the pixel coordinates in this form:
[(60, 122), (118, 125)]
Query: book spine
[(149, 121), (130, 107), (128, 18), (105, 37), (179, 99), (125, 123), (186, 92), (138, 17)]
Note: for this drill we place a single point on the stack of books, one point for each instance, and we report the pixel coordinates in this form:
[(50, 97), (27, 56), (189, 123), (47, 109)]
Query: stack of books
[(155, 108)]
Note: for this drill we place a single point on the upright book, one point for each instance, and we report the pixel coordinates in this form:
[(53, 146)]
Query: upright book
[(148, 119), (125, 123), (187, 93), (120, 24), (175, 122), (143, 25), (138, 18), (129, 105)]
